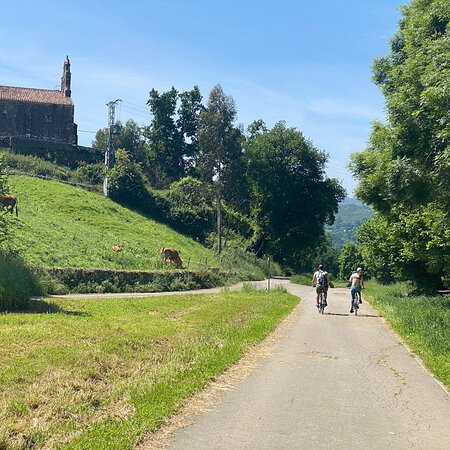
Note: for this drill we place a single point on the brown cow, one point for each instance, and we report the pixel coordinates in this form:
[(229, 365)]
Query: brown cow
[(170, 256), (9, 202), (117, 248)]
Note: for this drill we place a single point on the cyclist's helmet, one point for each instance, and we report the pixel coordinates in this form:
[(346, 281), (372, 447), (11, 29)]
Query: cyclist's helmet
[(359, 269), (320, 267)]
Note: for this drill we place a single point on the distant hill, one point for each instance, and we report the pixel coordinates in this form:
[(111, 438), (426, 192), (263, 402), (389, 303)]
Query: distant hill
[(352, 213), (65, 226)]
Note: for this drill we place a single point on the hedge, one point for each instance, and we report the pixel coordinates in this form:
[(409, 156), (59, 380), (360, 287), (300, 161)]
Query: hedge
[(79, 280)]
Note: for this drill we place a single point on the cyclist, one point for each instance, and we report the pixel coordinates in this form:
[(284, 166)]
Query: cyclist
[(357, 284), (320, 282)]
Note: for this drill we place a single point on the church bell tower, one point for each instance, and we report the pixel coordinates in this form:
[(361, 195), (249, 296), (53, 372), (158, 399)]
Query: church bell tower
[(65, 79)]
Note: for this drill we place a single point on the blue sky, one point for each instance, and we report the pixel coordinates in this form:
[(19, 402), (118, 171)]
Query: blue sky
[(305, 62)]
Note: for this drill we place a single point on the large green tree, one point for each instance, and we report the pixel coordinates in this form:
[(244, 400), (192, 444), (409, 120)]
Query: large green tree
[(291, 197), (219, 148), (405, 172), (172, 134)]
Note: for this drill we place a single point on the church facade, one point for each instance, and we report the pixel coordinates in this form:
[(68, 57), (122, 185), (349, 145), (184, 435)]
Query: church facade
[(41, 114)]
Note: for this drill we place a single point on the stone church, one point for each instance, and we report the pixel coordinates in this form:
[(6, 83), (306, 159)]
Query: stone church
[(42, 114)]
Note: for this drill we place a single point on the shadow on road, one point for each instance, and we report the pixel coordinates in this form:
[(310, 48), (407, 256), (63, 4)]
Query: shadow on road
[(348, 314)]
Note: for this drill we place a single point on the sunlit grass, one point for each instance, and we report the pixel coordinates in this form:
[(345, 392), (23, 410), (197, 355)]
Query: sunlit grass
[(64, 226), (423, 322), (100, 374)]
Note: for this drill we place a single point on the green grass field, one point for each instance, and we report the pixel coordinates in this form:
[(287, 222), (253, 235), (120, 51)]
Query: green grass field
[(64, 226), (423, 322), (101, 374)]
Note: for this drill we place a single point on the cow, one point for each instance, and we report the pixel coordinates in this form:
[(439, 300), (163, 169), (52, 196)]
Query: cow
[(9, 202), (170, 256), (117, 248)]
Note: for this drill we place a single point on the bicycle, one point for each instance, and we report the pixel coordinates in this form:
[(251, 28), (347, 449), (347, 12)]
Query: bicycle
[(356, 302), (322, 303)]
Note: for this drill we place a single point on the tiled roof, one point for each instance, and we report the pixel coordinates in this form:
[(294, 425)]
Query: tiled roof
[(21, 94)]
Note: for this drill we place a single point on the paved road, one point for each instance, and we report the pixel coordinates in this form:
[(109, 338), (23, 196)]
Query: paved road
[(333, 382)]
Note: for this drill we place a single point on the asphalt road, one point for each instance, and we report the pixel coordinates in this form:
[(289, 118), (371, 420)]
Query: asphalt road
[(332, 382)]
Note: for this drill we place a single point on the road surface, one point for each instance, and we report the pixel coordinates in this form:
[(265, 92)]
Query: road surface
[(332, 382)]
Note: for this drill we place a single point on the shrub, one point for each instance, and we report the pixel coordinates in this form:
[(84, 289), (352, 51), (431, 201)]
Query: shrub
[(126, 182), (17, 283), (90, 173)]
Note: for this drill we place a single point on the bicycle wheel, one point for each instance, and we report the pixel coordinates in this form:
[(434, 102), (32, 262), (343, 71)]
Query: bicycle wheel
[(322, 303), (356, 303)]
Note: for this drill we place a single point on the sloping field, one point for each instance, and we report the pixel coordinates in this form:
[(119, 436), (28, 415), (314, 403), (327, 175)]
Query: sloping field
[(64, 226)]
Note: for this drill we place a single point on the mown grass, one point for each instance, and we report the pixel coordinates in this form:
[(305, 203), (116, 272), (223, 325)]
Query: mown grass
[(423, 322), (100, 374), (64, 226)]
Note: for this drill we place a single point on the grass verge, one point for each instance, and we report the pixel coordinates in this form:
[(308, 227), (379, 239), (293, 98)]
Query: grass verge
[(102, 374), (423, 322)]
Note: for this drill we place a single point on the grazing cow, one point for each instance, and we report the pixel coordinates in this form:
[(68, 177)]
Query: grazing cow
[(9, 202), (117, 248), (170, 256)]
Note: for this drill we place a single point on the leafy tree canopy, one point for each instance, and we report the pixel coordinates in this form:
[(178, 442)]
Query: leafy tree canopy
[(291, 197), (405, 172)]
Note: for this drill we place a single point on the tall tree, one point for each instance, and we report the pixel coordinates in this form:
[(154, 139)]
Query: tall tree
[(188, 119), (405, 172), (291, 196), (218, 145), (165, 139)]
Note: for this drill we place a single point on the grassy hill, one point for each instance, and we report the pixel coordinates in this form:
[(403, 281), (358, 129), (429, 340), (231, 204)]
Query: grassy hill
[(64, 226), (350, 216)]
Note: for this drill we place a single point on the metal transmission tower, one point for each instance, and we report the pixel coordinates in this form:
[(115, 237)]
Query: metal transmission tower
[(109, 152)]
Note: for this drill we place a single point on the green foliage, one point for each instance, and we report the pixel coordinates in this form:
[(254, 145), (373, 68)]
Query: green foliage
[(350, 259), (423, 322), (78, 280), (90, 173), (246, 265), (6, 219), (130, 137), (120, 367), (17, 282), (348, 219), (126, 182), (405, 172), (328, 256), (64, 226), (172, 141), (291, 197), (191, 207)]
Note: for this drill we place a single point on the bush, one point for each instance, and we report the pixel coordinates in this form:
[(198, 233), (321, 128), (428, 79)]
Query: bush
[(76, 280), (90, 173), (126, 182), (17, 283)]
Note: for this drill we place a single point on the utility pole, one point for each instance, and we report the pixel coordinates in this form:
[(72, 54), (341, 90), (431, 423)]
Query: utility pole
[(109, 151)]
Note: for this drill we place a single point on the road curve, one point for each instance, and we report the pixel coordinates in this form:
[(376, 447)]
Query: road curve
[(332, 382)]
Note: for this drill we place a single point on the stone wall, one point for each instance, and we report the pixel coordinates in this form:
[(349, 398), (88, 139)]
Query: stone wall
[(60, 153), (43, 121)]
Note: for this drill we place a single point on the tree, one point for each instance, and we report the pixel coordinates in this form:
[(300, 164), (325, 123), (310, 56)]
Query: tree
[(191, 206), (126, 183), (165, 139), (349, 259), (129, 138), (172, 134), (188, 119), (405, 172), (291, 197), (218, 146)]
